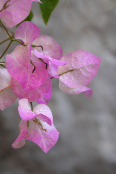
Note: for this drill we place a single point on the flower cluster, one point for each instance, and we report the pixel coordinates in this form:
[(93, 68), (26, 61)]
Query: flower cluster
[(29, 71)]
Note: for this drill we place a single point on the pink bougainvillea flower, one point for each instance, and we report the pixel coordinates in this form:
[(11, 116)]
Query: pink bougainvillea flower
[(80, 69), (36, 126), (13, 12), (30, 67), (7, 96), (41, 94), (21, 62)]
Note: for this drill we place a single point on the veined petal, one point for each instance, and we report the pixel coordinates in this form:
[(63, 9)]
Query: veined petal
[(42, 134), (27, 32), (80, 69), (46, 139)]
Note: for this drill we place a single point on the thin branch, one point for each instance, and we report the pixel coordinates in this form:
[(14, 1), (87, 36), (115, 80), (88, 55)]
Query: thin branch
[(5, 28), (6, 39), (6, 49)]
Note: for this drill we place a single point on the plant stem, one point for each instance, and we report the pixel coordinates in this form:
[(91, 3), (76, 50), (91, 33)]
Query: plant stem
[(6, 49), (5, 28), (2, 64), (7, 39)]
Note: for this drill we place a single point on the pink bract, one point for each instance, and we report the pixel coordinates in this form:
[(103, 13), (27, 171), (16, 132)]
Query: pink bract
[(41, 94), (7, 96), (39, 128), (50, 50), (14, 11), (17, 64), (41, 111), (50, 47), (53, 63), (27, 32), (80, 69), (45, 138)]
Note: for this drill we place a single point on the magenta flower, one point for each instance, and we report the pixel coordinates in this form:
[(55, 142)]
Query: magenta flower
[(13, 12), (36, 126), (7, 96), (80, 69)]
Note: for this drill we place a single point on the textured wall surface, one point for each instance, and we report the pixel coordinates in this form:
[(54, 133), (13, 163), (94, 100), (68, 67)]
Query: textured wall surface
[(87, 142)]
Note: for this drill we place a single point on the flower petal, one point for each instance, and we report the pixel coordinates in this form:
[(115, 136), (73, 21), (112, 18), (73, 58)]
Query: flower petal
[(81, 68), (19, 67), (16, 10), (45, 91), (20, 141), (27, 32), (44, 113), (33, 95), (25, 111), (87, 91), (45, 139), (50, 46)]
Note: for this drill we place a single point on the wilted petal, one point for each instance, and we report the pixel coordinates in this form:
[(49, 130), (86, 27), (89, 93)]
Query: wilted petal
[(27, 32), (25, 111), (80, 69)]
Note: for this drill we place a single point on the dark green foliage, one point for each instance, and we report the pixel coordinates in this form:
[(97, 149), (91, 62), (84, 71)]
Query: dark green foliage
[(46, 7)]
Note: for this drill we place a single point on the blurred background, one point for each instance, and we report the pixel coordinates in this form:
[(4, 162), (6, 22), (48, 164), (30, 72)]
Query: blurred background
[(87, 142)]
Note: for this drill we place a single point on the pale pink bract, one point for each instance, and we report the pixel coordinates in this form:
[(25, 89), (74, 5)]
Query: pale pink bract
[(80, 69), (13, 12), (39, 128)]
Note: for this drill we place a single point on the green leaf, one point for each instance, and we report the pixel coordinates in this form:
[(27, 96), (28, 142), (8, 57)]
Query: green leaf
[(46, 7), (29, 17)]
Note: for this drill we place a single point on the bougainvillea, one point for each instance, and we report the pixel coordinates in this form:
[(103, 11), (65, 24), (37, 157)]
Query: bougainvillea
[(29, 69)]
